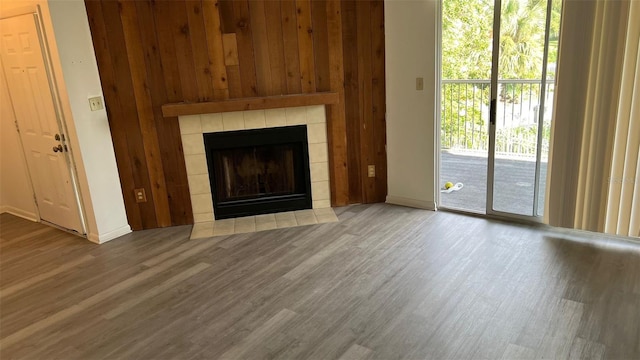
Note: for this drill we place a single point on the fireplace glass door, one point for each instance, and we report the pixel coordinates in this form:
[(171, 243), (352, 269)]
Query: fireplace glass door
[(254, 172), (258, 171)]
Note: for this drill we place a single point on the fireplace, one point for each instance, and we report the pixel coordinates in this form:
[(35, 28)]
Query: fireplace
[(193, 129), (258, 171)]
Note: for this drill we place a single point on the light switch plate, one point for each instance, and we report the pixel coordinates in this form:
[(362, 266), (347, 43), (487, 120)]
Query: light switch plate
[(95, 103), (419, 83)]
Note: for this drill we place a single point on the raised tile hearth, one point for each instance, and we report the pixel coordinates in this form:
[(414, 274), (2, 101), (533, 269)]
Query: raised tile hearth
[(265, 222)]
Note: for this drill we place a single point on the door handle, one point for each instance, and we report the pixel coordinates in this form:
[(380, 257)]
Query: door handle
[(492, 112), (57, 148)]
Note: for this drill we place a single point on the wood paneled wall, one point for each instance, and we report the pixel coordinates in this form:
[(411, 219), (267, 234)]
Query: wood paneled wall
[(153, 52)]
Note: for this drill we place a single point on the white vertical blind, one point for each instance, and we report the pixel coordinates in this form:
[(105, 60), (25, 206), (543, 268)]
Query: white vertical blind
[(623, 208), (593, 176)]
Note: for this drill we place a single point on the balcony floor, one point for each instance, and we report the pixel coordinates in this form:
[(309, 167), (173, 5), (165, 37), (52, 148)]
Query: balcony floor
[(514, 183)]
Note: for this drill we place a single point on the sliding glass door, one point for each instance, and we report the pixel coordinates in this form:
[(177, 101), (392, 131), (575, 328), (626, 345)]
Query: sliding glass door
[(496, 111), (521, 105)]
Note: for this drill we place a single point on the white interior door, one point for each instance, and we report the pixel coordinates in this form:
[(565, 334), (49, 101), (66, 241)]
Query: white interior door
[(33, 103)]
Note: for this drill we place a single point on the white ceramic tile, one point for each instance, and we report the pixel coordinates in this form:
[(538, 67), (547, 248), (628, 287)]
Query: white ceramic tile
[(317, 133), (325, 215), (245, 225), (254, 119), (196, 164), (318, 153), (296, 115), (204, 217), (305, 217), (211, 123), (201, 203), (275, 117), (319, 171), (321, 204), (233, 120), (223, 227), (286, 219), (265, 222), (190, 124), (320, 190), (199, 184), (324, 212), (202, 230), (193, 144), (316, 114)]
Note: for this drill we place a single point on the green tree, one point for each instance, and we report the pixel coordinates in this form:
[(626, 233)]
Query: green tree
[(467, 36)]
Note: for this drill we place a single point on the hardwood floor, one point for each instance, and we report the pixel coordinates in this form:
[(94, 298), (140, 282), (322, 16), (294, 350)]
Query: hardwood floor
[(385, 282)]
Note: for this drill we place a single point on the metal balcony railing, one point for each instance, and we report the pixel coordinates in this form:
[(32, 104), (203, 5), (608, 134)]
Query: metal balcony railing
[(465, 116)]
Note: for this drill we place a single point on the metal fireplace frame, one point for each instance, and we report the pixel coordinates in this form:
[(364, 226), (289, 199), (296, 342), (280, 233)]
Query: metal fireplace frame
[(259, 137)]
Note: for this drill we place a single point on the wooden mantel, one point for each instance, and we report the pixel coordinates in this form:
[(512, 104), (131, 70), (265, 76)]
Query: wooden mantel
[(256, 103)]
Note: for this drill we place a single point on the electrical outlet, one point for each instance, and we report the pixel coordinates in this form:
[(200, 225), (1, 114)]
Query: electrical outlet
[(419, 83), (95, 103), (141, 196), (371, 169)]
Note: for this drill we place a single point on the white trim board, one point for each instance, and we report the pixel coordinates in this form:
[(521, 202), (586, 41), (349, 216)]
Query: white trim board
[(103, 238), (414, 203), (19, 213)]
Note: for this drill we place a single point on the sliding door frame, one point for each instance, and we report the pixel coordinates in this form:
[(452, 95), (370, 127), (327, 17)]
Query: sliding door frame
[(489, 211)]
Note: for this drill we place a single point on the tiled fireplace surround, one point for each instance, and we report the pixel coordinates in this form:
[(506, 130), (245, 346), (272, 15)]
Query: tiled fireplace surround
[(193, 126)]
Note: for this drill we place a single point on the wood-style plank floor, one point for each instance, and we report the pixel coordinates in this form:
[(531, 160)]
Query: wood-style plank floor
[(385, 282)]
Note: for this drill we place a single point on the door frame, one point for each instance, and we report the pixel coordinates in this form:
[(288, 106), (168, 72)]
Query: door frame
[(497, 17), (489, 211), (36, 11)]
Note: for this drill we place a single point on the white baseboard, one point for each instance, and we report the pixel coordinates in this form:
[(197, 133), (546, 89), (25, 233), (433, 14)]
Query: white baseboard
[(19, 213), (103, 238), (403, 201)]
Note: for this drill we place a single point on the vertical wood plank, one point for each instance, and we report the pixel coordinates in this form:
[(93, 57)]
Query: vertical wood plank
[(114, 111), (352, 108), (166, 45), (378, 102), (261, 48), (320, 44), (305, 46), (123, 88), (230, 47), (215, 48), (179, 24), (146, 119), (276, 47), (336, 123), (245, 48), (171, 149), (200, 48), (363, 9), (235, 82), (227, 17), (290, 40)]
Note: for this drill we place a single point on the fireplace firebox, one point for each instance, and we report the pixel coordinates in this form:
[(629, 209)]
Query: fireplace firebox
[(259, 171)]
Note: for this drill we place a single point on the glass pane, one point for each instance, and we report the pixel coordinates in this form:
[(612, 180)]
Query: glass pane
[(521, 53), (466, 74), (253, 172)]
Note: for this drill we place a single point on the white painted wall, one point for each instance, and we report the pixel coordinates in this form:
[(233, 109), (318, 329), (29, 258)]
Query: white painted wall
[(16, 194), (411, 39), (75, 69), (106, 215)]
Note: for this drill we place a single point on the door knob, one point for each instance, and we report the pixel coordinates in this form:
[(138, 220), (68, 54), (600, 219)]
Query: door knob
[(57, 148)]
